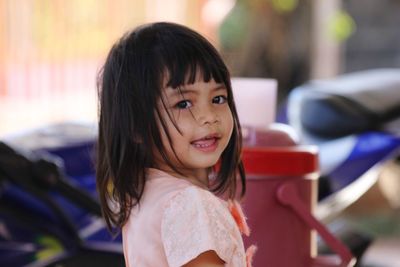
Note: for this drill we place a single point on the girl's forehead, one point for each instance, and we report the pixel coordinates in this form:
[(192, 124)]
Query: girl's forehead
[(191, 76), (198, 84)]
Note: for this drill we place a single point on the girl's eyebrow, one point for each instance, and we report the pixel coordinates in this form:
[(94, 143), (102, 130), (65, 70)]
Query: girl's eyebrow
[(219, 87), (184, 90)]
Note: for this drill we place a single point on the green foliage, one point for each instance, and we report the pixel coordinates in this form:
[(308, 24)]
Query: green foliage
[(232, 31), (341, 26), (284, 6)]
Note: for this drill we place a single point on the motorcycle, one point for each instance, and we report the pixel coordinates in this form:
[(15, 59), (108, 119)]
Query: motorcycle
[(49, 218), (354, 120)]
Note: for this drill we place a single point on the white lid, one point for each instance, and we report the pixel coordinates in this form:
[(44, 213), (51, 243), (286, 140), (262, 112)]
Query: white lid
[(255, 100)]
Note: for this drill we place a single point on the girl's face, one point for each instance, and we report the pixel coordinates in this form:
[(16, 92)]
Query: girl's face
[(201, 113)]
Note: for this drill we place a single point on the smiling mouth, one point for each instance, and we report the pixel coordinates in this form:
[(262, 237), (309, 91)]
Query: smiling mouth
[(208, 143)]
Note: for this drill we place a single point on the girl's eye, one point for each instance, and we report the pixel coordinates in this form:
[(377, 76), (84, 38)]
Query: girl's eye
[(183, 104), (219, 99)]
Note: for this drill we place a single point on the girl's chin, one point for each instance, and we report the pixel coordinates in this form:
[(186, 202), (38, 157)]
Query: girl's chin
[(205, 164)]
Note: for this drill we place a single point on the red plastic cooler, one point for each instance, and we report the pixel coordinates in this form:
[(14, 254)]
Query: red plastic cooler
[(281, 194)]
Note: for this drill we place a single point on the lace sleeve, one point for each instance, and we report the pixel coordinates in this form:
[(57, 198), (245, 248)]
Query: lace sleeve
[(195, 221)]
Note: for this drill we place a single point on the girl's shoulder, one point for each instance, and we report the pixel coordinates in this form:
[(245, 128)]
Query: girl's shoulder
[(193, 221), (163, 191), (176, 192), (194, 198)]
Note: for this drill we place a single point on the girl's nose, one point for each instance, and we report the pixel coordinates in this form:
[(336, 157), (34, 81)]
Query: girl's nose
[(207, 116)]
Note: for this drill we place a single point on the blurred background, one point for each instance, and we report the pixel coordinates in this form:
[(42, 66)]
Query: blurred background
[(51, 50)]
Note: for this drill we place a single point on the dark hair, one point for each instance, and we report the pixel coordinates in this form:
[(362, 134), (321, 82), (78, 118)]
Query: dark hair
[(129, 87)]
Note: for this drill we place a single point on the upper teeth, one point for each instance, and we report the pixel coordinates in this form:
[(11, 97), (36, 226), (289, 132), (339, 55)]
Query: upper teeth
[(201, 145), (205, 142)]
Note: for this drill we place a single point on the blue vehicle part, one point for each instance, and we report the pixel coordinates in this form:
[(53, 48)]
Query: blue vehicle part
[(31, 193), (370, 148)]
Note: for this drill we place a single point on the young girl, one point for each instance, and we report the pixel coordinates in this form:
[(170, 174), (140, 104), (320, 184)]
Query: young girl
[(169, 137)]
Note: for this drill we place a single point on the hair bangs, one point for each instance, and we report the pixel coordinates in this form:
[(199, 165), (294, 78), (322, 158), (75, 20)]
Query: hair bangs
[(186, 64)]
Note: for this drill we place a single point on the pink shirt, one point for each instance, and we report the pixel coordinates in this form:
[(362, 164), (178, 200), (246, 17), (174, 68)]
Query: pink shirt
[(175, 222)]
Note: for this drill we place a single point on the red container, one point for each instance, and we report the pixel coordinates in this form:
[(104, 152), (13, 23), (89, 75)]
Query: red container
[(281, 194)]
